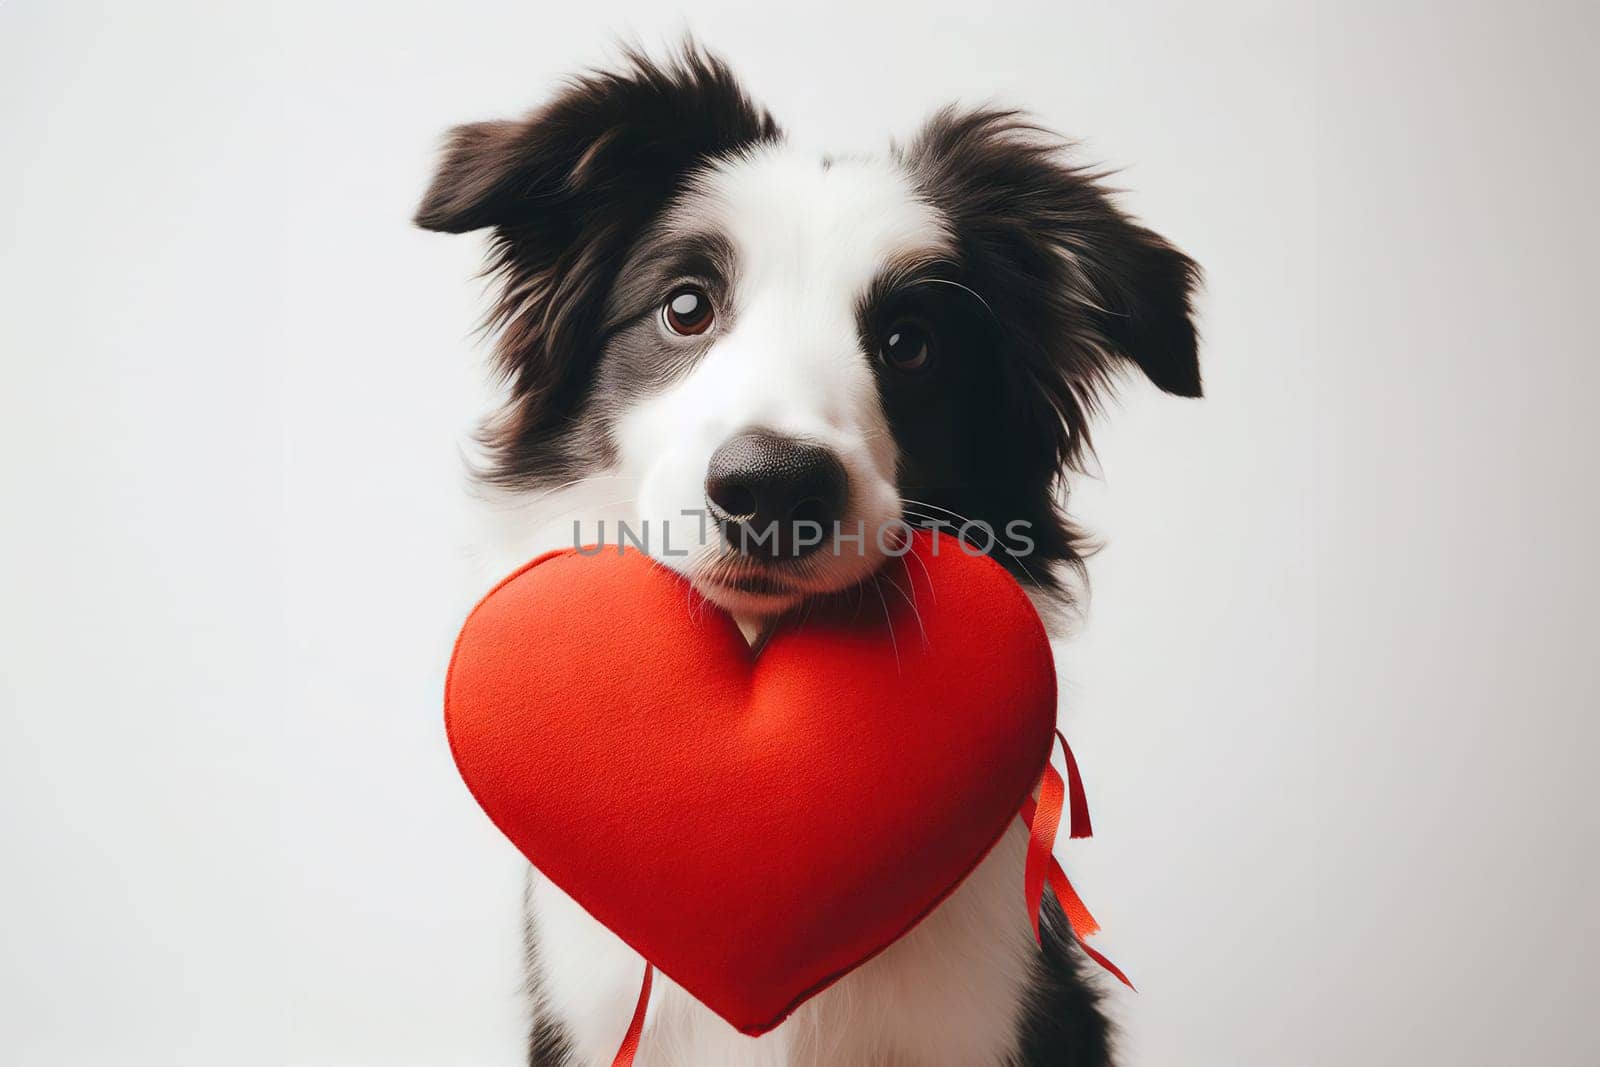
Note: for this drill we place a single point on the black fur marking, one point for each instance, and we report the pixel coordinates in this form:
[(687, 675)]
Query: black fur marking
[(547, 1044), (1063, 1025), (1070, 286), (568, 190), (970, 451)]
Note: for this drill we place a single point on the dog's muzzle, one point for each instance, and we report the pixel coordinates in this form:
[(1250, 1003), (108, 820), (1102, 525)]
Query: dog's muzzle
[(775, 497)]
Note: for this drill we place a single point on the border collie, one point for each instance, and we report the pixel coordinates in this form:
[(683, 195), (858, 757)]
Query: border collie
[(696, 321)]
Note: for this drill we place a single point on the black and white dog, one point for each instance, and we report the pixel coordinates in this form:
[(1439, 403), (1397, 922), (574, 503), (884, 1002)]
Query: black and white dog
[(694, 318)]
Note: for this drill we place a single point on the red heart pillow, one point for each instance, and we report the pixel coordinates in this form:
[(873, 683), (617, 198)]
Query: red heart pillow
[(754, 825)]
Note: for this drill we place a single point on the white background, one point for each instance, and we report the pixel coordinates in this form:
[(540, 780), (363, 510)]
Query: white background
[(1336, 698)]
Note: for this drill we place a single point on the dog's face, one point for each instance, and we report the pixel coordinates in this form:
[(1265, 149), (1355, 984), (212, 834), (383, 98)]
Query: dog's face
[(784, 362), (746, 371)]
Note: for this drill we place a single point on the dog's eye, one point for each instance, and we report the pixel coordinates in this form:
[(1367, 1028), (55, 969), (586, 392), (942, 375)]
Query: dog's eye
[(906, 346), (688, 311)]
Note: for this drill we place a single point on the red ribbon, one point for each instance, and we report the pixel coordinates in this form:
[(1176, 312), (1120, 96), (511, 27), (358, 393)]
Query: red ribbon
[(1075, 793), (1041, 839), (630, 1042), (1043, 821)]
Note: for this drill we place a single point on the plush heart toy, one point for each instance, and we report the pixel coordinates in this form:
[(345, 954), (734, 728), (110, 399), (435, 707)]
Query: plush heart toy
[(756, 825)]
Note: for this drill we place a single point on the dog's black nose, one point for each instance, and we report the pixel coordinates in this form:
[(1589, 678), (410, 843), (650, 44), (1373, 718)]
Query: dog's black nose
[(775, 497)]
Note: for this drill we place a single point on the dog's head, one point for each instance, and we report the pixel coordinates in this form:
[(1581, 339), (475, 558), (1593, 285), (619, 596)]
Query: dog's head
[(782, 361)]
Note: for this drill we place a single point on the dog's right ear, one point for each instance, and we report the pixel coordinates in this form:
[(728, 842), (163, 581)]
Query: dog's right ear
[(567, 191), (627, 137), (475, 184)]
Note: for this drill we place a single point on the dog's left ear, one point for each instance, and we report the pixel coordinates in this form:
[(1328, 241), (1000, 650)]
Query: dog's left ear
[(1146, 313), (1046, 240)]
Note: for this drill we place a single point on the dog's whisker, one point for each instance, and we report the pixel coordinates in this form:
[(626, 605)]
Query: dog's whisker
[(888, 621), (925, 572), (965, 289), (965, 519), (912, 603), (610, 476)]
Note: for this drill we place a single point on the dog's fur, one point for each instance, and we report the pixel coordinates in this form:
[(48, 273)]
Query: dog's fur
[(1033, 287)]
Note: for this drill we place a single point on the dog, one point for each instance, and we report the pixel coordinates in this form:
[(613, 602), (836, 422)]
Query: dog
[(729, 346)]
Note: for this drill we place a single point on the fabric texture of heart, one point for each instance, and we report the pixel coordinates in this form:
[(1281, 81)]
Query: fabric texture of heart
[(754, 825)]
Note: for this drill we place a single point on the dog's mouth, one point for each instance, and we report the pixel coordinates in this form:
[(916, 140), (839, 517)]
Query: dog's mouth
[(747, 579), (754, 582), (745, 586), (790, 575)]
